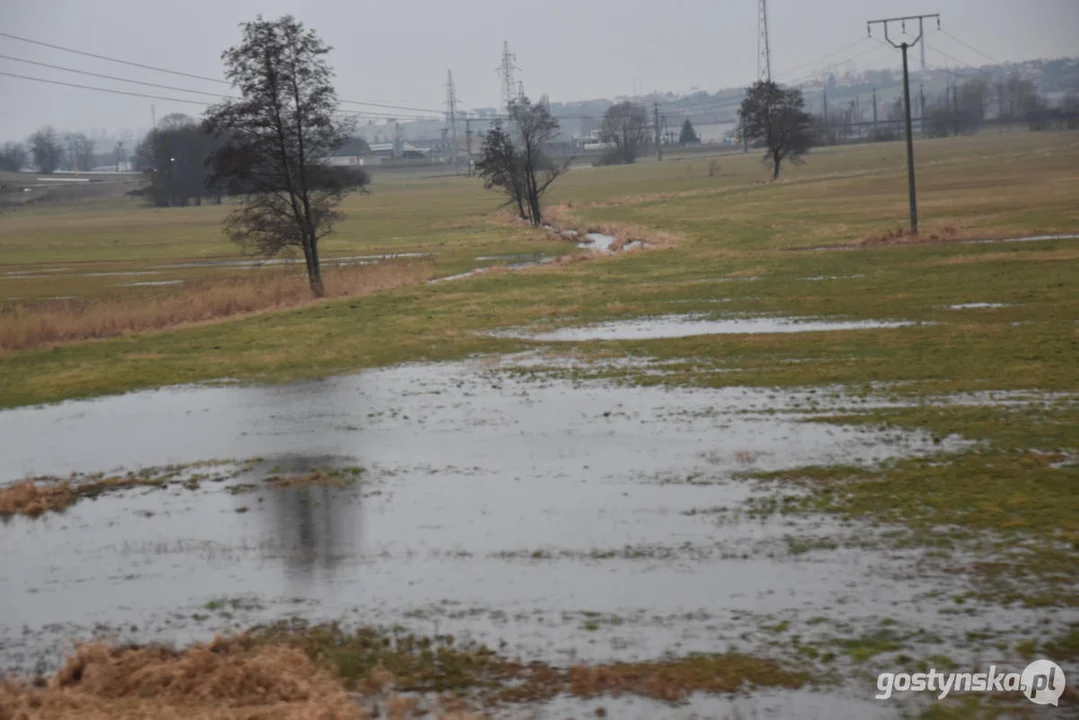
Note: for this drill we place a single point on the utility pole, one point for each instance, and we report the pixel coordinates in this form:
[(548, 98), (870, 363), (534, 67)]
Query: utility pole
[(827, 120), (905, 46), (468, 142), (153, 116), (764, 51), (874, 109), (659, 147), (955, 108), (451, 117), (921, 107)]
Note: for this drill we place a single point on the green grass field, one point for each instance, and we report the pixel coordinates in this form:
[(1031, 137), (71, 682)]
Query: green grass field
[(989, 186), (742, 247)]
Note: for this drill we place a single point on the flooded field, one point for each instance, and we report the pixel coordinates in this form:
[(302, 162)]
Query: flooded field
[(572, 522)]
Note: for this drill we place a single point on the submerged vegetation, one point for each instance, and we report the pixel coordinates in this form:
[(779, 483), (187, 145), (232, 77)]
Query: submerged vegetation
[(37, 496), (299, 671)]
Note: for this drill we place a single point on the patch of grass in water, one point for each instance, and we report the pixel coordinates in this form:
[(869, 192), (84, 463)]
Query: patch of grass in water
[(865, 647), (339, 478), (1065, 647), (37, 496), (442, 664)]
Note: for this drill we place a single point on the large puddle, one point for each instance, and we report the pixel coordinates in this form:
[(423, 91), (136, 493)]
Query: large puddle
[(573, 521), (678, 326)]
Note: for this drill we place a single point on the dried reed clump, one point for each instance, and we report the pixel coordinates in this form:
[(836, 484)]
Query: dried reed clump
[(900, 235), (33, 499), (230, 679), (26, 325), (37, 496)]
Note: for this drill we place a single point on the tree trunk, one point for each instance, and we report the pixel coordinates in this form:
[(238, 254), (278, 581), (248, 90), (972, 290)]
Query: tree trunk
[(314, 269), (520, 203), (534, 204), (776, 160)]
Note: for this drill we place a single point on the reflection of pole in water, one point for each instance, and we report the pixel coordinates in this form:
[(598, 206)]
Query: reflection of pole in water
[(315, 525)]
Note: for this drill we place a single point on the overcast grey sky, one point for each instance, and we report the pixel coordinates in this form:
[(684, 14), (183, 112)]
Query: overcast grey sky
[(398, 51)]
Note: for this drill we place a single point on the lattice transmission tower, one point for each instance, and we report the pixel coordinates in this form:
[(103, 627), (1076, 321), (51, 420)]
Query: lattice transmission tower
[(506, 71), (451, 116), (764, 51)]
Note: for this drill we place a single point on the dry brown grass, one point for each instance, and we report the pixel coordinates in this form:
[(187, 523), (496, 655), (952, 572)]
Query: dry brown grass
[(902, 236), (26, 325), (315, 676), (311, 479), (34, 499), (37, 496), (222, 680), (226, 679)]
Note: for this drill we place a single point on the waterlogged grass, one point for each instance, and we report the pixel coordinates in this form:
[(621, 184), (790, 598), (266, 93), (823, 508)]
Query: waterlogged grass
[(362, 658), (1010, 516), (1003, 513), (36, 496)]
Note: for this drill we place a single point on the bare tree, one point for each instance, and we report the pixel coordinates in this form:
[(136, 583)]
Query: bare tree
[(776, 119), (47, 149), (277, 139), (13, 157), (517, 161), (81, 153), (625, 125)]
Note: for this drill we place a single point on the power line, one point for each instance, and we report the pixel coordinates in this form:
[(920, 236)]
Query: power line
[(115, 60), (186, 100), (881, 44), (109, 77), (108, 90), (971, 47), (391, 107), (171, 72), (851, 46), (952, 58)]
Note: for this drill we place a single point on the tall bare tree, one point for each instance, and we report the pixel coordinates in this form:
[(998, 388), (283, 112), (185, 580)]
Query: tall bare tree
[(625, 125), (47, 149), (276, 140), (81, 152), (517, 160), (775, 118)]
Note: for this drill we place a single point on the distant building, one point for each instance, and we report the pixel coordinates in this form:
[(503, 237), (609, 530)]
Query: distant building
[(351, 153)]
